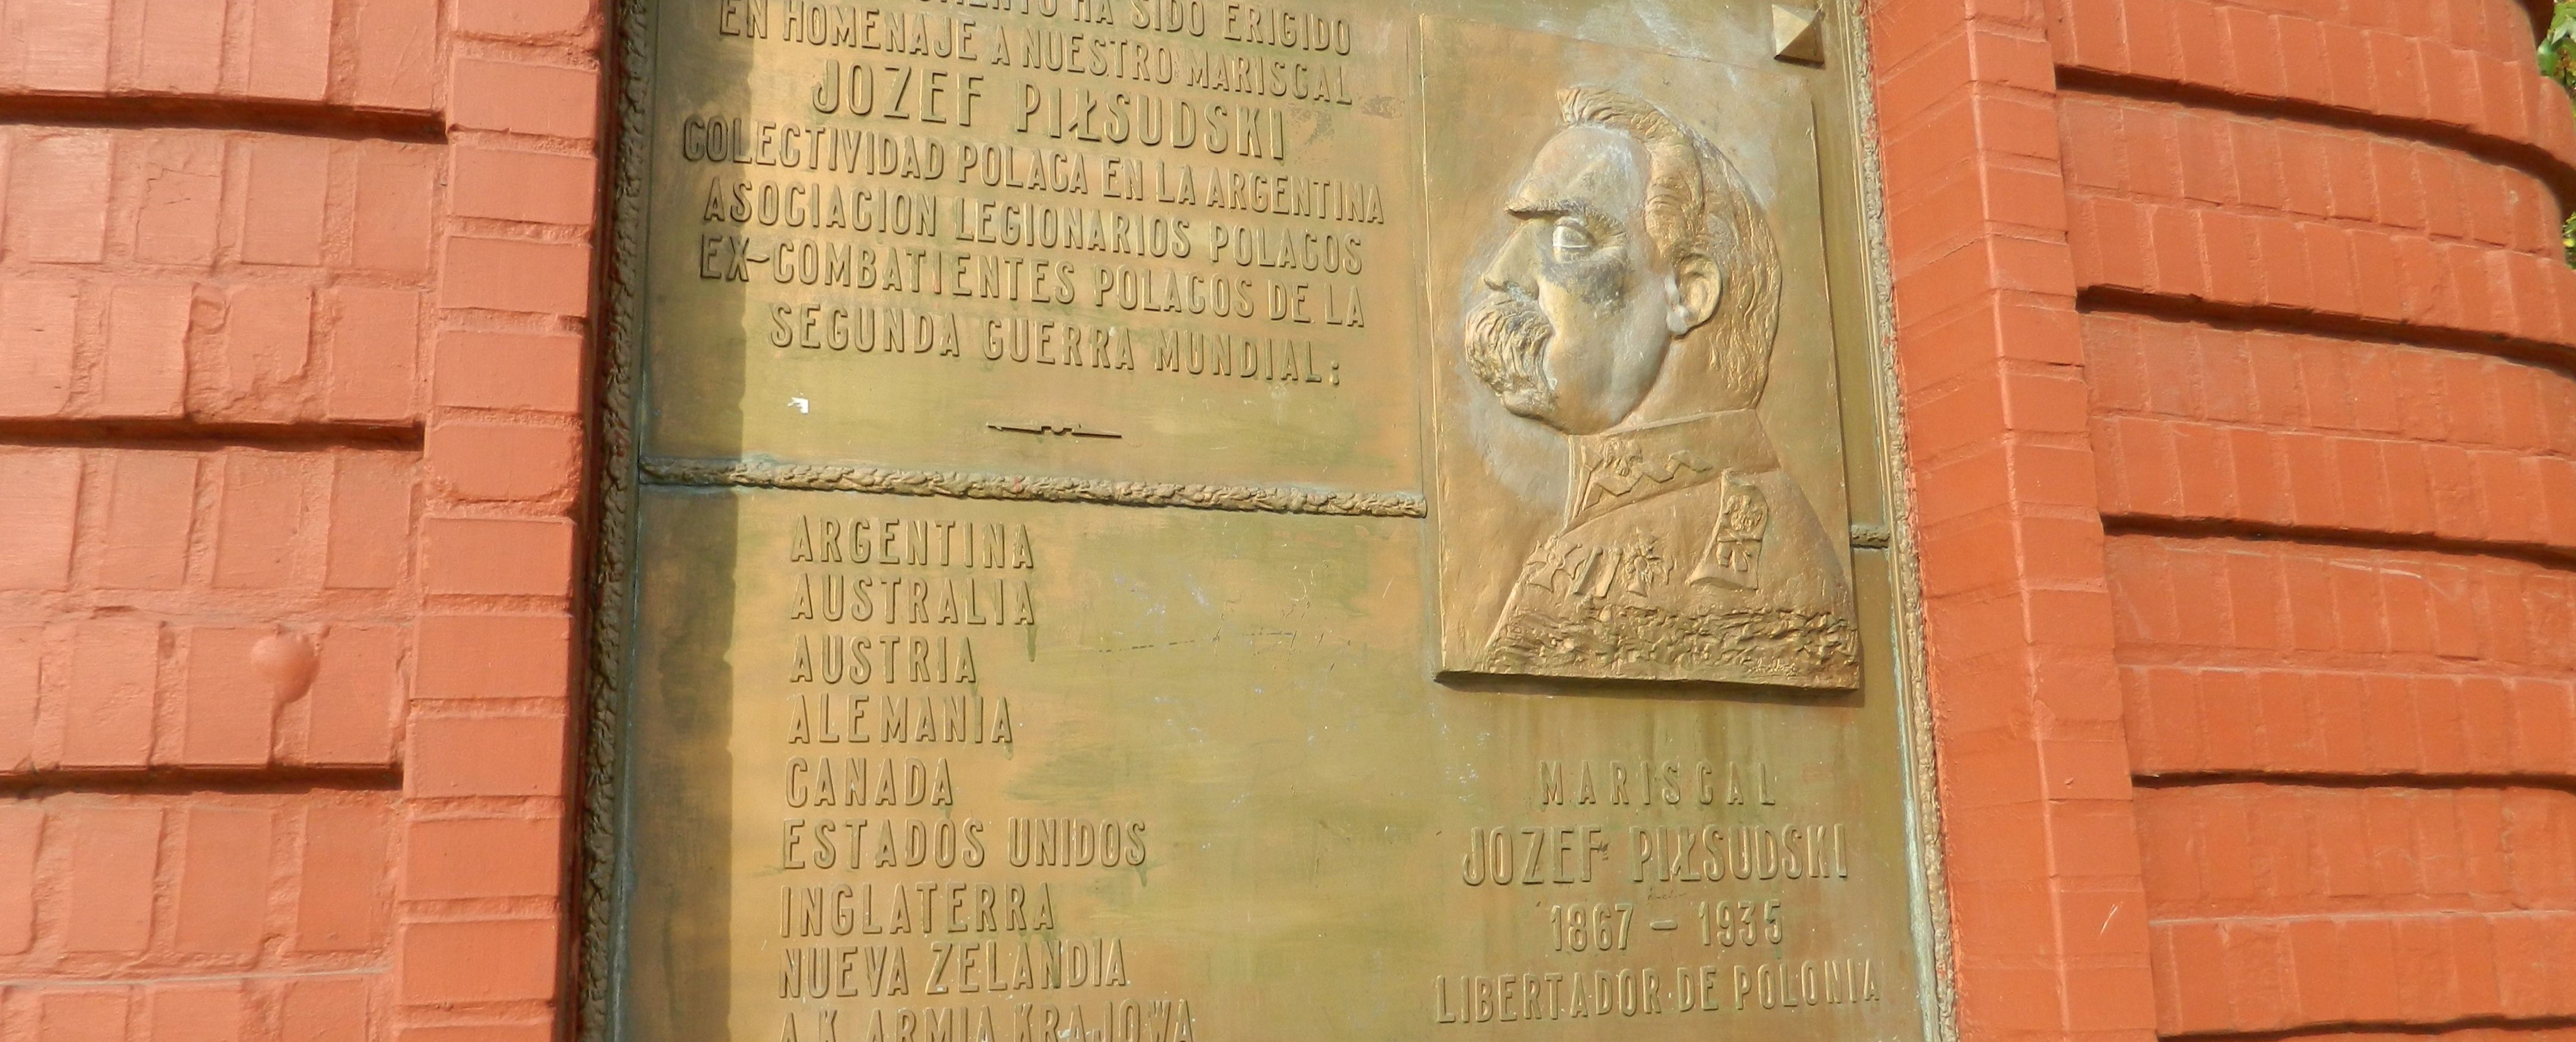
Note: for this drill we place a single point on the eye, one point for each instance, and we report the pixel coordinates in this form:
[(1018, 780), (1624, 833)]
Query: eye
[(1571, 237)]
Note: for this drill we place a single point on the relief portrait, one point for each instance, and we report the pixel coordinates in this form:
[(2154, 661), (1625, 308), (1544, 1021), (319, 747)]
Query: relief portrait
[(1625, 310)]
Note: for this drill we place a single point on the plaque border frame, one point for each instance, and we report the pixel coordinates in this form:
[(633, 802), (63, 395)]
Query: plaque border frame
[(627, 64), (1848, 46), (604, 607)]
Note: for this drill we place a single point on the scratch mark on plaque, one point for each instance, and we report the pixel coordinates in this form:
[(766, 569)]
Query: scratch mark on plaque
[(1151, 645), (1055, 430), (801, 405)]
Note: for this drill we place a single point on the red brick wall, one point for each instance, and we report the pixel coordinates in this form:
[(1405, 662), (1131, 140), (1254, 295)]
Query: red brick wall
[(293, 298), (2234, 342), (2233, 347)]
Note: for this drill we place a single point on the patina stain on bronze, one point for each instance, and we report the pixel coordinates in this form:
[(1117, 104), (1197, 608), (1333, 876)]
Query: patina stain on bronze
[(1162, 521)]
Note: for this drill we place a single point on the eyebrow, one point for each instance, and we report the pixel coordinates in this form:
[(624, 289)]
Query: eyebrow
[(1533, 208)]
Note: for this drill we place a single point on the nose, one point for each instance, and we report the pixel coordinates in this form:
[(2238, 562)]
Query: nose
[(1514, 266)]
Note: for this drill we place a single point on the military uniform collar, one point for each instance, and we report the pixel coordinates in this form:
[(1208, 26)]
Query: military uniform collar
[(1629, 465)]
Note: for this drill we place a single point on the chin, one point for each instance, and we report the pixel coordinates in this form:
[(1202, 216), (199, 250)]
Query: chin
[(1531, 405), (1554, 416)]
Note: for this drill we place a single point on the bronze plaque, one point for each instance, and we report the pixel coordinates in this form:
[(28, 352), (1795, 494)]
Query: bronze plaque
[(1643, 393), (1157, 520)]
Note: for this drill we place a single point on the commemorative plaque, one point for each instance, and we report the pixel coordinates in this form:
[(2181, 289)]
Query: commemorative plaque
[(1165, 520)]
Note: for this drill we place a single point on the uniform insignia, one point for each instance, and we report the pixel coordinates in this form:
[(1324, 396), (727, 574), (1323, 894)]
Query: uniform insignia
[(1734, 557)]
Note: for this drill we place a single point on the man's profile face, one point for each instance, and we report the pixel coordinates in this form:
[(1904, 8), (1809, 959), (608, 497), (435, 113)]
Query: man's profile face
[(1572, 326)]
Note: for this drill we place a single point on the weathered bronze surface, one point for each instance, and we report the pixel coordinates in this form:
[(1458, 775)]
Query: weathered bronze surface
[(1171, 520), (974, 236)]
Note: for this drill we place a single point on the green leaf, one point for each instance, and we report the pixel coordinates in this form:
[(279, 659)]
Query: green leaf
[(2556, 46)]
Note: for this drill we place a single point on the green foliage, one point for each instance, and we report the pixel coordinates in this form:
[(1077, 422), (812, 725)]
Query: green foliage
[(2558, 62), (2558, 47)]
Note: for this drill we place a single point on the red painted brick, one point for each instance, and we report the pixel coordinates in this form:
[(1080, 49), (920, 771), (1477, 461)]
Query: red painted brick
[(22, 650), (223, 879), (151, 512), (508, 371), (65, 47), (178, 217), (494, 656), (396, 54), (325, 1009), (2232, 244), (113, 689), (2260, 955), (83, 1014), (2196, 28), (514, 275), (114, 854), (273, 278), (2544, 727), (39, 495), (541, 187), (2153, 48), (356, 696), (181, 194), (58, 189), (2308, 192), (491, 555), (21, 827), (209, 1012), (2256, 458), (515, 1031), (2410, 613), (267, 341), (2472, 963), (397, 186), (485, 756), (374, 350), (480, 960), (262, 514), (503, 461), (2525, 946), (528, 19), (228, 714), (182, 46), (460, 858), (342, 903), (38, 326), (290, 48), (523, 98), (145, 372), (288, 178), (370, 512)]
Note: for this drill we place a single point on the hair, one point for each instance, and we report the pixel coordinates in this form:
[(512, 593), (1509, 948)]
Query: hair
[(1697, 208)]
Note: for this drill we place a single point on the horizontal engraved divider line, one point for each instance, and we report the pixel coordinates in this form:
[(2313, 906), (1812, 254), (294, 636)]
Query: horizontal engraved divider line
[(756, 472)]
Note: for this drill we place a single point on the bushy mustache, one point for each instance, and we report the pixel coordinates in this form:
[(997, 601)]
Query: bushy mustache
[(1507, 338)]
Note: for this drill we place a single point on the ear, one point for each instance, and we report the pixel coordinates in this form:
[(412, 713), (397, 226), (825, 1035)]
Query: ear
[(1695, 288)]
